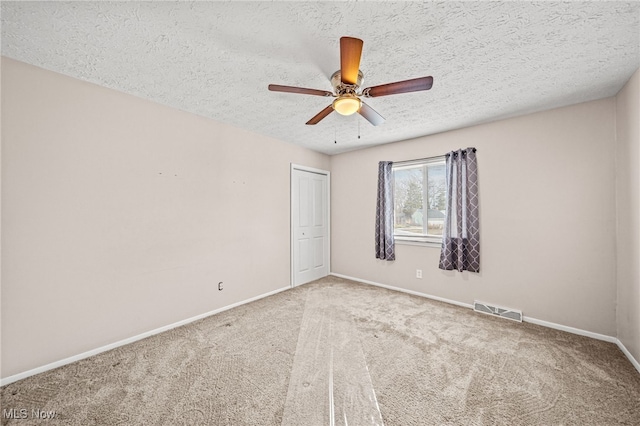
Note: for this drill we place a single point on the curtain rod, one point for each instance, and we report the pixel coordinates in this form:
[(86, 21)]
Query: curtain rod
[(416, 160)]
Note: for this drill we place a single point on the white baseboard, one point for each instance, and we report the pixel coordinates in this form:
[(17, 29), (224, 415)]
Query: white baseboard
[(571, 330), (60, 363), (69, 360), (404, 290), (548, 324), (625, 351)]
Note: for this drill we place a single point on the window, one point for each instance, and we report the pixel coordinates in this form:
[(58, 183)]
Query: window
[(419, 197)]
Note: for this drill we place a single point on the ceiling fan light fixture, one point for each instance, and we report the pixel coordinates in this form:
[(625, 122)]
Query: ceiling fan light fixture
[(346, 105)]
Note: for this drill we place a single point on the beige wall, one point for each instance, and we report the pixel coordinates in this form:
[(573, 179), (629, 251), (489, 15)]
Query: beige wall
[(628, 202), (120, 216), (547, 209)]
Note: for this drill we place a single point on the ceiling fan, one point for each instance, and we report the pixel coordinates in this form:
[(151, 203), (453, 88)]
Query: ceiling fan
[(346, 83)]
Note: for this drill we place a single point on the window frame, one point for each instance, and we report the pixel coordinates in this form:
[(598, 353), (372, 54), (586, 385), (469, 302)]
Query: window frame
[(421, 240)]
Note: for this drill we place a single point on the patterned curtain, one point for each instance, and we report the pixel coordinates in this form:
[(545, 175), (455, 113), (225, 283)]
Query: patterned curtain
[(461, 235), (385, 246)]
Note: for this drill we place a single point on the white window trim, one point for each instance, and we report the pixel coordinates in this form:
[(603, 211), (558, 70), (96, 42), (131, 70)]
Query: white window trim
[(416, 241), (424, 241)]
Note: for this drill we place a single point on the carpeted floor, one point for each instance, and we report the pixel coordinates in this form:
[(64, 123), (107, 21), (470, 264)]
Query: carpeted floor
[(339, 352)]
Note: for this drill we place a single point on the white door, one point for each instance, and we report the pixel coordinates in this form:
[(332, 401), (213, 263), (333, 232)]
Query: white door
[(309, 224)]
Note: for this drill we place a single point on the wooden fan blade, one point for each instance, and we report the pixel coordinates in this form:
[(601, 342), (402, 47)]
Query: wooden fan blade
[(291, 89), (319, 116), (350, 53), (370, 114), (414, 85)]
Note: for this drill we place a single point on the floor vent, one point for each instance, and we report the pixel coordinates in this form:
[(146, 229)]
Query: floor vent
[(497, 311)]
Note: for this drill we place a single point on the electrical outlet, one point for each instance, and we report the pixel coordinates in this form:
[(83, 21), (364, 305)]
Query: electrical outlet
[(418, 273), (220, 286)]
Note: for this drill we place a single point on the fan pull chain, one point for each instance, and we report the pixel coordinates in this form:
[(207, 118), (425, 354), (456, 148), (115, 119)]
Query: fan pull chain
[(335, 135), (358, 128)]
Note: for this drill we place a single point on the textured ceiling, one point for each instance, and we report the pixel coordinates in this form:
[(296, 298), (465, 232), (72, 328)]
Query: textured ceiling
[(489, 60)]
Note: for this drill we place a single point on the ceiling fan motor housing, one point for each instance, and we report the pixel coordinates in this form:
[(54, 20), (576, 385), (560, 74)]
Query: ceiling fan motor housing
[(341, 88)]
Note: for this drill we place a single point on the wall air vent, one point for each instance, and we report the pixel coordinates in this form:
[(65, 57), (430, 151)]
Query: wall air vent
[(498, 311)]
